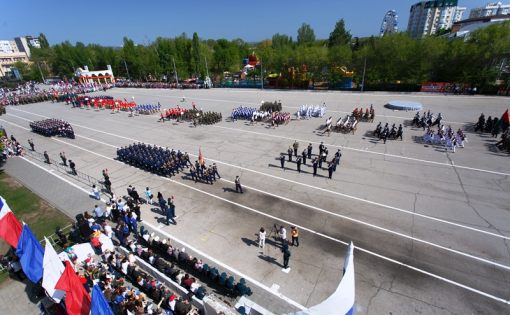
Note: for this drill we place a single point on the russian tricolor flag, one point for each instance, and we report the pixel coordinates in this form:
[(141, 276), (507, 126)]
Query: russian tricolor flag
[(10, 228)]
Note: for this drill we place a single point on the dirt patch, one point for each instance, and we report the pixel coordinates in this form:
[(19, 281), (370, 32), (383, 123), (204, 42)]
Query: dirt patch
[(10, 182)]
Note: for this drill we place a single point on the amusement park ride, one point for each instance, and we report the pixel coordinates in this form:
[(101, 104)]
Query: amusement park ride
[(292, 77)]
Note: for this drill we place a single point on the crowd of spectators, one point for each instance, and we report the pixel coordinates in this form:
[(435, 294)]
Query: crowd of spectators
[(10, 147)]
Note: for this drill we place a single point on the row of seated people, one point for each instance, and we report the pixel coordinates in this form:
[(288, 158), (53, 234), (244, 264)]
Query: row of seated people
[(122, 300), (11, 147), (52, 127), (163, 249), (120, 269), (154, 159), (25, 99), (146, 85)]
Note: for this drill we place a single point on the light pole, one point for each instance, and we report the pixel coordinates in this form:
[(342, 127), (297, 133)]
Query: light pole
[(206, 67), (363, 79), (127, 71), (261, 76), (40, 71), (175, 71)]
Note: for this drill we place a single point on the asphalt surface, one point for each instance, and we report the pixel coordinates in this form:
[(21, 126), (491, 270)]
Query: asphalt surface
[(430, 227)]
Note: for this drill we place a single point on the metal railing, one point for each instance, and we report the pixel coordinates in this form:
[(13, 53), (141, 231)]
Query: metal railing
[(53, 238), (80, 176)]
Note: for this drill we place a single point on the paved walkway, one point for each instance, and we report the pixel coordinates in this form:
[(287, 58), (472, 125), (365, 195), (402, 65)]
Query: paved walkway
[(15, 298)]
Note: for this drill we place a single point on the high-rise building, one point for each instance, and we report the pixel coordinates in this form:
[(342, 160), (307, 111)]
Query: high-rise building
[(490, 9), (12, 51), (428, 17)]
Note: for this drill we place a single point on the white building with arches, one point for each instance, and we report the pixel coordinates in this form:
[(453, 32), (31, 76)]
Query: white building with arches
[(84, 75)]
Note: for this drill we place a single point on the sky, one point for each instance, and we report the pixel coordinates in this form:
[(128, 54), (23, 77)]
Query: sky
[(106, 22)]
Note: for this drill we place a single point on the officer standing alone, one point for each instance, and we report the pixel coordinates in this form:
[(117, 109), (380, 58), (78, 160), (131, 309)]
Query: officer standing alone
[(238, 185)]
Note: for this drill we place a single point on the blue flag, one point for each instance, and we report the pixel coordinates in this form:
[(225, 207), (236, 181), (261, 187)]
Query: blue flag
[(30, 253), (99, 305)]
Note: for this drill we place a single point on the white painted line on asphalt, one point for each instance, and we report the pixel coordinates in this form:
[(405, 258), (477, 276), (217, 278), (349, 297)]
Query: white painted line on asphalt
[(239, 103), (418, 240), (216, 261), (219, 263), (490, 296), (52, 172), (366, 151), (311, 207), (457, 252), (314, 208), (308, 141), (334, 192), (78, 136)]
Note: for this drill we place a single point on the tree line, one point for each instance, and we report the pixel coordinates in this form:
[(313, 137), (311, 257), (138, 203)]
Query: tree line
[(392, 59)]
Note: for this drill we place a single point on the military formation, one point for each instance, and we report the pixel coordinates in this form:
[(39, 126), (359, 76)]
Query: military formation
[(158, 160), (316, 161), (53, 127), (385, 133), (166, 162)]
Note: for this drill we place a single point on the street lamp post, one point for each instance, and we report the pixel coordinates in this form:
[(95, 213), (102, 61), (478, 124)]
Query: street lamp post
[(261, 75), (175, 72), (363, 79), (127, 71)]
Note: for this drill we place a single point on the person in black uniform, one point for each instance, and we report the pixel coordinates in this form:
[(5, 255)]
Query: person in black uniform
[(282, 161), (289, 153), (238, 185), (298, 164), (303, 156), (309, 149), (73, 167), (330, 169), (46, 158), (315, 164)]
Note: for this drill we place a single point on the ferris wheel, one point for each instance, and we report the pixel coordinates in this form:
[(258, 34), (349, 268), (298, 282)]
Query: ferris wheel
[(389, 23)]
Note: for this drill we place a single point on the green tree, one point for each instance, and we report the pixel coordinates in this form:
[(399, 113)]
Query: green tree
[(339, 36), (305, 35), (43, 41), (281, 40)]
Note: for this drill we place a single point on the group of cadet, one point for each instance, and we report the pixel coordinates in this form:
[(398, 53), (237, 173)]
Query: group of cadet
[(162, 161), (52, 127), (208, 118), (203, 173), (426, 120), (166, 162), (386, 132), (490, 125), (316, 160)]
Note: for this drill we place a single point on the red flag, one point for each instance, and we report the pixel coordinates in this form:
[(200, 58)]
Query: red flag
[(200, 157), (77, 299), (10, 229), (506, 117)]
